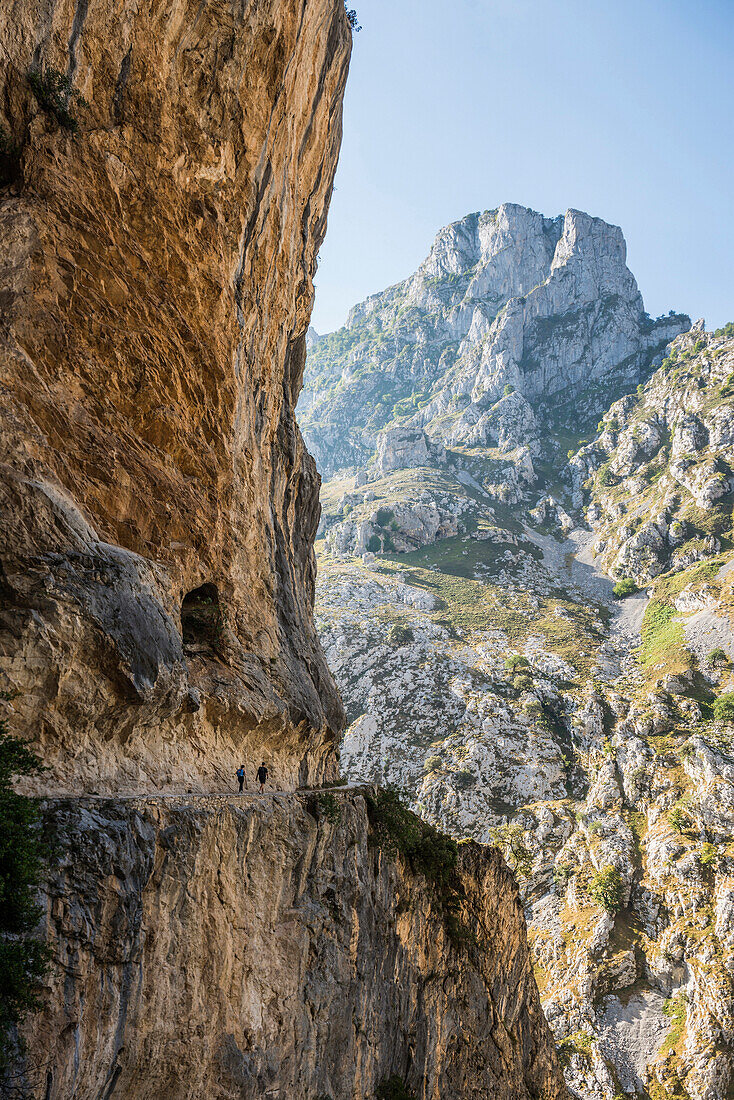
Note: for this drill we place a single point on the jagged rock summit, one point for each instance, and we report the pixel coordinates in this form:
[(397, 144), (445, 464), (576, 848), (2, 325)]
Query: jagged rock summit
[(507, 302)]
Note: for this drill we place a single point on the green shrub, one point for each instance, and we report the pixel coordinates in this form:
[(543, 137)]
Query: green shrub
[(678, 817), (56, 95), (23, 957), (522, 683), (604, 474), (607, 889), (716, 657), (399, 831), (516, 661), (374, 544), (508, 389), (707, 854), (383, 516), (393, 1088), (723, 707), (432, 763), (399, 634), (625, 587), (328, 806), (510, 839), (562, 873)]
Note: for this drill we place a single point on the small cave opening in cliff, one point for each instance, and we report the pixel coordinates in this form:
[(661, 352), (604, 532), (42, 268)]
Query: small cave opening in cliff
[(201, 619)]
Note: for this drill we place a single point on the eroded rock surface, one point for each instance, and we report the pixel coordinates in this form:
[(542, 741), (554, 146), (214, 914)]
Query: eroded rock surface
[(155, 292), (258, 947)]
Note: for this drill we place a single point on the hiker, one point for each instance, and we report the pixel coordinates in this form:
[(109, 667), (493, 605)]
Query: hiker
[(241, 776), (262, 775)]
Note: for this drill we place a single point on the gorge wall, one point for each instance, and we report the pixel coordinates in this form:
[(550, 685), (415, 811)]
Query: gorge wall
[(223, 949), (166, 175), (156, 290)]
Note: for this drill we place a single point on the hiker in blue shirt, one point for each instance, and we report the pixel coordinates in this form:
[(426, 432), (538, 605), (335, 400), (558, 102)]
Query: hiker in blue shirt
[(241, 776)]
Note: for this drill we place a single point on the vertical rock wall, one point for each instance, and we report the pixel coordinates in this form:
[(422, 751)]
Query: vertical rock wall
[(155, 290), (228, 948)]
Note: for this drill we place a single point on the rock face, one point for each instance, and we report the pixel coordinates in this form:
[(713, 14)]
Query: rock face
[(507, 300), (661, 469), (155, 292), (257, 947)]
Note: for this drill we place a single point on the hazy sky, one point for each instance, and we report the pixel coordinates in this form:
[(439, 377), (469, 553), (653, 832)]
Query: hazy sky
[(624, 109)]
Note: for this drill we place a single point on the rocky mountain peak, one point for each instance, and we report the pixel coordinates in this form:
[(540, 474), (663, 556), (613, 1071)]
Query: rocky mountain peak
[(506, 300)]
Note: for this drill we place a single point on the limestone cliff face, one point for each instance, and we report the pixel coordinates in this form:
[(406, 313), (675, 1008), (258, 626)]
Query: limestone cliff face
[(507, 300), (155, 289), (249, 948)]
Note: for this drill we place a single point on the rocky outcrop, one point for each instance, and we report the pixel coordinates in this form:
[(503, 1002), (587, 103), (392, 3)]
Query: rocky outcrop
[(159, 237), (511, 316), (262, 947), (658, 478)]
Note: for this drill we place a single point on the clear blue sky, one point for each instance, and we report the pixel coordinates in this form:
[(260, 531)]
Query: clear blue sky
[(622, 108)]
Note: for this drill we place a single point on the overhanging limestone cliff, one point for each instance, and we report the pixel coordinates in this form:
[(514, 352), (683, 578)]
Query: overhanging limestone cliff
[(155, 287)]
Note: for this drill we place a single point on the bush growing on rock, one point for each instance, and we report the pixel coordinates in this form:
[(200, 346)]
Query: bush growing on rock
[(715, 658), (56, 95), (522, 683), (723, 707), (607, 889), (399, 832), (604, 475), (510, 839), (625, 587), (679, 818), (464, 779), (707, 854), (516, 661), (432, 764)]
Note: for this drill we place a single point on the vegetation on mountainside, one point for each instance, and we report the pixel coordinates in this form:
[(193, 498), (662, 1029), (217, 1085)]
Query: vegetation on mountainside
[(723, 707), (607, 888), (23, 956), (625, 587), (427, 851), (56, 95)]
